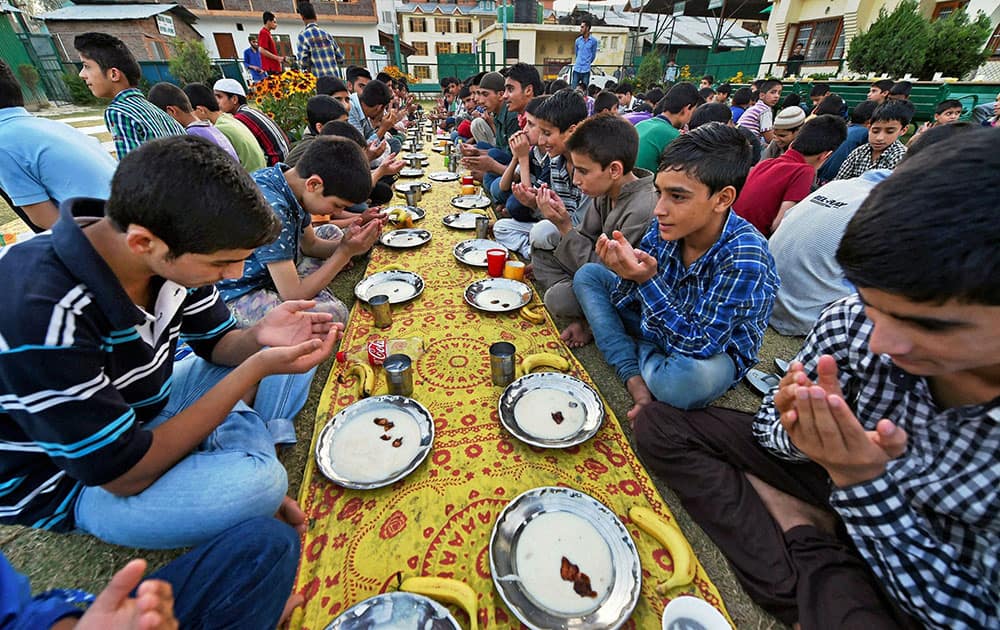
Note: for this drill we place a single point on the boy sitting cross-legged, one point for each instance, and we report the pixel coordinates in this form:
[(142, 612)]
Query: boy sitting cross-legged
[(681, 318), (332, 175), (623, 201), (103, 431)]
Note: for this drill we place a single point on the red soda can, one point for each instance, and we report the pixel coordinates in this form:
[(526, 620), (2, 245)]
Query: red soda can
[(377, 351)]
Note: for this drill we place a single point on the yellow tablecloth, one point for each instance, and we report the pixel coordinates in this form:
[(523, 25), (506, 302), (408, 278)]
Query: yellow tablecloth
[(438, 520)]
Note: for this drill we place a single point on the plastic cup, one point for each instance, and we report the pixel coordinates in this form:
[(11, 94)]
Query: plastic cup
[(495, 260), (514, 269), (468, 189), (467, 180)]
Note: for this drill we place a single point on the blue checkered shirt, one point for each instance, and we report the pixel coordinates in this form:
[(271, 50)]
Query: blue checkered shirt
[(929, 527), (720, 303), (319, 52)]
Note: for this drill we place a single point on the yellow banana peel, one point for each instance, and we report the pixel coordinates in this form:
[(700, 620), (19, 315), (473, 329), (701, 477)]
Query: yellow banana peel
[(542, 359), (533, 313), (672, 539)]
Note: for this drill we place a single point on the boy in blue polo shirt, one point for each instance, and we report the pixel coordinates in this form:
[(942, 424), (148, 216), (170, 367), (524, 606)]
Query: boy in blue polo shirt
[(103, 432), (682, 317)]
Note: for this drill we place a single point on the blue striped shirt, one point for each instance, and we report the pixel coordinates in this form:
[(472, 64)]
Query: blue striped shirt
[(82, 368), (132, 120), (720, 303)]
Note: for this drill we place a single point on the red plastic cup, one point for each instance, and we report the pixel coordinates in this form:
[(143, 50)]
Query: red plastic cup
[(495, 261), (467, 180)]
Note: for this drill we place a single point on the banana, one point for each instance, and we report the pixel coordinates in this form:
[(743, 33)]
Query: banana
[(365, 375), (448, 591), (543, 359), (533, 314), (673, 540)]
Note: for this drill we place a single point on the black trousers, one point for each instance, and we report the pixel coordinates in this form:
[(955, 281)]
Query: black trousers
[(804, 575)]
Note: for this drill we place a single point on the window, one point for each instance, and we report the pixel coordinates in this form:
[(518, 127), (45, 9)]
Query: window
[(463, 26), (284, 45), (513, 49), (994, 45), (420, 48), (418, 25), (944, 9), (215, 5), (442, 25), (464, 48), (422, 72), (822, 41), (443, 48)]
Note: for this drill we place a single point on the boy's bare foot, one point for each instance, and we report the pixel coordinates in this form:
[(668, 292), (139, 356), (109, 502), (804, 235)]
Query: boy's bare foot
[(294, 601), (789, 511), (289, 512), (577, 334), (640, 394)]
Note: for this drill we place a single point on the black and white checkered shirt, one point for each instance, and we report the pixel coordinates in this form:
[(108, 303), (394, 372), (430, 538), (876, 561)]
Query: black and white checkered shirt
[(860, 160), (930, 526)]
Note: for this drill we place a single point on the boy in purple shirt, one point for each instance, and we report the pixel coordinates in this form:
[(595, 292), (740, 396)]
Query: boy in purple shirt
[(175, 102)]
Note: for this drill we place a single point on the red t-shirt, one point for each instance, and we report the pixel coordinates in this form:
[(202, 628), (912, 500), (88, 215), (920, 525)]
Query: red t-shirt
[(266, 42), (769, 184)]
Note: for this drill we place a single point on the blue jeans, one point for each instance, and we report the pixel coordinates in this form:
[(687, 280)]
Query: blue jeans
[(241, 578), (578, 77), (676, 379), (232, 476), (504, 158)]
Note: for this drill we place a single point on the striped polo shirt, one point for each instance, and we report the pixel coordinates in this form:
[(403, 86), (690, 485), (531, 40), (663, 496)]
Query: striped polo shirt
[(82, 368), (269, 135), (132, 120)]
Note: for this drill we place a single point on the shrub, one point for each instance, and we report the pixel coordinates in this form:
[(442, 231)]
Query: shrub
[(895, 44), (79, 93), (191, 64), (650, 71), (957, 45)]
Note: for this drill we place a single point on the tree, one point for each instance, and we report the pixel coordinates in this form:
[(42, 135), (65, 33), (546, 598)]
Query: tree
[(895, 44), (650, 70), (957, 45), (191, 63)]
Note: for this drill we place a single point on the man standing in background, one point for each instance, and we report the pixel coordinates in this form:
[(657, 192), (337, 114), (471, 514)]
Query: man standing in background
[(270, 61), (318, 50), (251, 61), (585, 50)]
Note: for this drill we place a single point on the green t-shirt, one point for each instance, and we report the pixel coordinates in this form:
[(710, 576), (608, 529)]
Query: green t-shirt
[(506, 122), (654, 136), (250, 154)]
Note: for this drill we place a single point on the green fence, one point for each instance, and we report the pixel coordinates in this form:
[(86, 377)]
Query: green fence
[(12, 51)]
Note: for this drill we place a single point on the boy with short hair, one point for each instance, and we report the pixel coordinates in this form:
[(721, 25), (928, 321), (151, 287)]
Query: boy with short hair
[(660, 130), (623, 201), (626, 100), (530, 167), (722, 93), (857, 134), (206, 107), (104, 432), (867, 485), (879, 91), (270, 61), (706, 82), (371, 106), (682, 317), (320, 109), (331, 176), (883, 150), (945, 113), (111, 71), (759, 118), (232, 99), (172, 100), (817, 94), (741, 101), (900, 91), (786, 126), (357, 78), (774, 186), (332, 86)]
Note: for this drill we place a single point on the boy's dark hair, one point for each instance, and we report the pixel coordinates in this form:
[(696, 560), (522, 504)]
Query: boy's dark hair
[(563, 109), (717, 155), (465, 92), (201, 95), (341, 165), (901, 111), (591, 139), (710, 112), (556, 85), (754, 96), (344, 129), (725, 88), (901, 88), (706, 93), (642, 107), (384, 77), (534, 104), (624, 88), (588, 22), (322, 109), (109, 52), (708, 78), (654, 95), (831, 104), (375, 93), (604, 101), (862, 112), (526, 75), (741, 97), (790, 100), (757, 83), (945, 105), (904, 214), (218, 207), (446, 81), (10, 90), (819, 89), (819, 135), (353, 72), (883, 85), (330, 86), (768, 85), (679, 96), (306, 11), (938, 133), (165, 94), (267, 16), (592, 90)]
